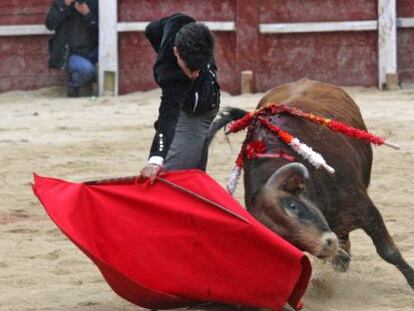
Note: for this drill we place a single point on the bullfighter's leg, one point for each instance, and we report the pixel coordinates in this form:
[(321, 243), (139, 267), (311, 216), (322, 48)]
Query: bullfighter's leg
[(342, 260), (375, 227)]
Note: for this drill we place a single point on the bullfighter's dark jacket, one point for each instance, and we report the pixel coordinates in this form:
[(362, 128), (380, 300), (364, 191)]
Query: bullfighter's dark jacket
[(169, 76), (74, 32)]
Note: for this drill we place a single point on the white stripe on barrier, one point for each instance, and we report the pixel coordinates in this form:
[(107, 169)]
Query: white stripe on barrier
[(131, 26), (29, 30), (140, 26), (24, 30), (318, 27), (405, 22)]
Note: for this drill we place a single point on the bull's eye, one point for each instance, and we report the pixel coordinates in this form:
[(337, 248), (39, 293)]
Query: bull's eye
[(291, 207)]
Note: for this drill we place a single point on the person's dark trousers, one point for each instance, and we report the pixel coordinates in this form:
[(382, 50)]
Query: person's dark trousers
[(189, 148), (80, 70)]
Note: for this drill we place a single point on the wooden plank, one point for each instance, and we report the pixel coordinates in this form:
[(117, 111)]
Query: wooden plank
[(318, 27), (108, 48), (140, 26), (246, 82), (132, 26), (387, 44), (220, 26), (24, 30), (247, 38), (109, 82), (29, 30), (405, 22)]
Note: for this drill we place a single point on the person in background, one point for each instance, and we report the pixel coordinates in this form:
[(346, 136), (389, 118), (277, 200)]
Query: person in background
[(74, 46), (186, 72)]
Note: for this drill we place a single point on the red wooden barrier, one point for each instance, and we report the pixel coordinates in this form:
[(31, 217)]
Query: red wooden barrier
[(299, 11), (23, 60), (405, 43), (136, 55), (405, 8), (345, 58), (21, 12)]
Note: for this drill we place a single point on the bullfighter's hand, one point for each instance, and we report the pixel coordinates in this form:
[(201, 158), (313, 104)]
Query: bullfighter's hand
[(150, 171), (82, 8)]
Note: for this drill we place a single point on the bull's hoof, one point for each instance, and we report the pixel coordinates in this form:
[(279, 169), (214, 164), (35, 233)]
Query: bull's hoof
[(340, 263), (409, 275)]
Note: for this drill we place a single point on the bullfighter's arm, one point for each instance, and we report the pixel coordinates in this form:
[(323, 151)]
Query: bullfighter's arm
[(154, 32), (165, 125)]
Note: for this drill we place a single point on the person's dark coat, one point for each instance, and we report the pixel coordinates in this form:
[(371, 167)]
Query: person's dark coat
[(74, 33)]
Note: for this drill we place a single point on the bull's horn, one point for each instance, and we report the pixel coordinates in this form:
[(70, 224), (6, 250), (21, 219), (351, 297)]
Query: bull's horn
[(290, 178)]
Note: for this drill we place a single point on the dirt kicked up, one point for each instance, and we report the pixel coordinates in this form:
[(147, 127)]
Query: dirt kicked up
[(88, 138)]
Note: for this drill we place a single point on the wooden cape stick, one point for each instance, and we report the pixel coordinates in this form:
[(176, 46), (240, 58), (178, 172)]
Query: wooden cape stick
[(173, 185)]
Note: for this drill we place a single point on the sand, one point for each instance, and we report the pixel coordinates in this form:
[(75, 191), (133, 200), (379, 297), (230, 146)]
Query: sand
[(89, 138)]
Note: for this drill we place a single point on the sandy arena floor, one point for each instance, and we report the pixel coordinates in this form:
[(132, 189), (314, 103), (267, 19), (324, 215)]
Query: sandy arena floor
[(88, 138)]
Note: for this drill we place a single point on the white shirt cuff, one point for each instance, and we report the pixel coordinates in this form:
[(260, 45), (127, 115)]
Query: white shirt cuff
[(156, 160)]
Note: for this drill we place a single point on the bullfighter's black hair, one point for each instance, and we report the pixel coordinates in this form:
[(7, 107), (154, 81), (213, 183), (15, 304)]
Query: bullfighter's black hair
[(195, 44)]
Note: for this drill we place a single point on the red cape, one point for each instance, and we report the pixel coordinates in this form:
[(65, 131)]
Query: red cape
[(161, 248)]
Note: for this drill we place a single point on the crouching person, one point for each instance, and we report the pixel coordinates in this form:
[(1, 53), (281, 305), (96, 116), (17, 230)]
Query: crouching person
[(74, 46)]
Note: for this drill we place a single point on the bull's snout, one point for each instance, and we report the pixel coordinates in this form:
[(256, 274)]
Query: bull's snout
[(329, 245)]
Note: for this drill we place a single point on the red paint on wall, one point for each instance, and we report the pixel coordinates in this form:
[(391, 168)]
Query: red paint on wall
[(226, 61), (300, 11), (405, 43), (21, 12), (246, 48), (406, 55), (135, 62), (147, 10), (405, 8), (137, 58), (339, 58), (24, 59), (24, 64), (247, 52), (137, 55)]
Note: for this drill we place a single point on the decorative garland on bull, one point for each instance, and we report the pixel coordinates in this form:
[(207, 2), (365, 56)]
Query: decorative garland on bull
[(252, 149)]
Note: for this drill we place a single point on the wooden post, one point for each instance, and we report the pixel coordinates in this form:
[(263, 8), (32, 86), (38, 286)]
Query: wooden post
[(246, 83), (387, 44), (108, 48), (247, 36)]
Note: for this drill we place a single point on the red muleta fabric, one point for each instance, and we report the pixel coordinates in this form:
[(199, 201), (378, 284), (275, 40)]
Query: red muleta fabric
[(161, 248)]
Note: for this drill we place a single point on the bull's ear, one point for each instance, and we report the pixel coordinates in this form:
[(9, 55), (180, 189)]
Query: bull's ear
[(290, 178)]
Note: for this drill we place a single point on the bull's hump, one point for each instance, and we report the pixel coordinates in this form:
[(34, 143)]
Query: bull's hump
[(316, 97), (287, 92)]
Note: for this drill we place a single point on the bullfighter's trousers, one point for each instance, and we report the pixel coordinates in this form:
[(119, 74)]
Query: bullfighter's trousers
[(189, 148)]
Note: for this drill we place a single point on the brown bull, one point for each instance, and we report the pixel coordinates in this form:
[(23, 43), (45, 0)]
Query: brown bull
[(303, 204)]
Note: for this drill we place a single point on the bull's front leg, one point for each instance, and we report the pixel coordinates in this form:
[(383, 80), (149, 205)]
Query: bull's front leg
[(341, 261), (375, 227)]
